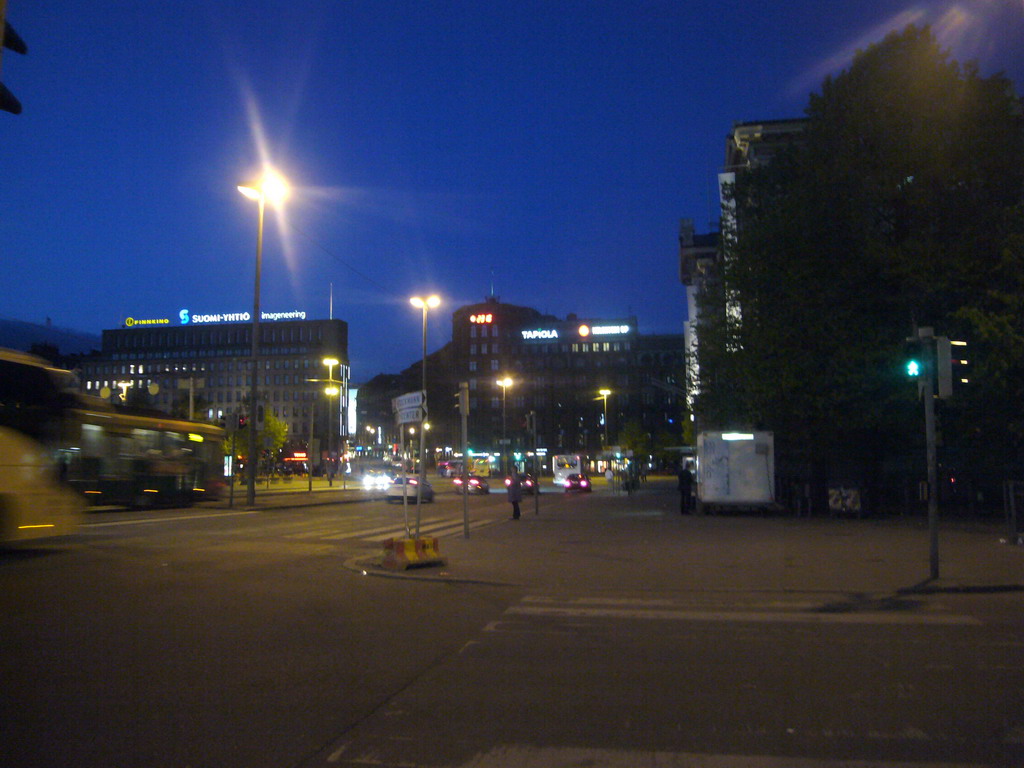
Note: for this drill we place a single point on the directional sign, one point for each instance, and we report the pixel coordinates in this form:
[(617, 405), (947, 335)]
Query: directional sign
[(408, 400), (408, 415)]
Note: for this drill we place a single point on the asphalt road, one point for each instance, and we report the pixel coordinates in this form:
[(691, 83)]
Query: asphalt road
[(606, 630)]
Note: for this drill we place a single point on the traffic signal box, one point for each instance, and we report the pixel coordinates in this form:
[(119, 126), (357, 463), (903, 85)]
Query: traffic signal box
[(950, 360), (9, 39)]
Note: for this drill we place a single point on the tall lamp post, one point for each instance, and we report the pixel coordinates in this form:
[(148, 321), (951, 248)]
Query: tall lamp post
[(604, 396), (426, 304), (331, 390), (271, 187), (504, 383)]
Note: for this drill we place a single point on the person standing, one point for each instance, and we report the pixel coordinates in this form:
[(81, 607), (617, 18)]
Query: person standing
[(515, 493), (685, 489)]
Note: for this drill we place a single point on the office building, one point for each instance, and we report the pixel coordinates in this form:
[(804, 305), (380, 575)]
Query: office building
[(203, 363)]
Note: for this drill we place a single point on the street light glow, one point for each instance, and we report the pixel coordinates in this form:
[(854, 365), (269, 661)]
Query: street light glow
[(429, 302), (273, 187)]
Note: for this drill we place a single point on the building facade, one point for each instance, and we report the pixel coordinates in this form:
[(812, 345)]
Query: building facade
[(556, 369), (206, 368)]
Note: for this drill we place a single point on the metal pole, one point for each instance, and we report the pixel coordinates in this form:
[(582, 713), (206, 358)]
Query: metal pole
[(464, 413), (253, 388), (231, 486), (933, 485), (504, 446), (343, 422), (423, 425), (309, 446), (606, 420), (536, 469), (405, 482)]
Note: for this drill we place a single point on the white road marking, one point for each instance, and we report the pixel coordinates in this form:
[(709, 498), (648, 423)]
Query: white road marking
[(149, 520), (667, 610)]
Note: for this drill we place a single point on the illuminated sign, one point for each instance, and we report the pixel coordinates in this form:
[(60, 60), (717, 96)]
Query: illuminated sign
[(548, 333), (132, 321), (603, 330), (186, 317), (488, 318)]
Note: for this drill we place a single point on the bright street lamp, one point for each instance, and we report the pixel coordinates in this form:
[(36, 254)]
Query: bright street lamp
[(426, 304), (504, 383), (604, 396), (274, 188)]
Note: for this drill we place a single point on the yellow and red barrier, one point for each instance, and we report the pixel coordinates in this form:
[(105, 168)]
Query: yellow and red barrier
[(400, 554)]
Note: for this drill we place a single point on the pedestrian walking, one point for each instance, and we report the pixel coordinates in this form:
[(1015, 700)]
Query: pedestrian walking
[(515, 493), (685, 489)]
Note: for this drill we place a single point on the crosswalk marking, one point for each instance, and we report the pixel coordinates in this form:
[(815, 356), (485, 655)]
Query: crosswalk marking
[(374, 534), (669, 610)]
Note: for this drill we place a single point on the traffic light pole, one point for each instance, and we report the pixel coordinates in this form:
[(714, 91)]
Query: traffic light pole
[(933, 484), (926, 385)]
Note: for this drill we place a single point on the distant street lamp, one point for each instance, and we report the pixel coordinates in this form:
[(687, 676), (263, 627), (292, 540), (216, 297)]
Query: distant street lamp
[(604, 396), (426, 304), (271, 187), (331, 391), (504, 383)]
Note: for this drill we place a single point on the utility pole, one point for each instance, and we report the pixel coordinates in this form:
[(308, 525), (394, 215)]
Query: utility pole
[(536, 464), (464, 415), (924, 339)]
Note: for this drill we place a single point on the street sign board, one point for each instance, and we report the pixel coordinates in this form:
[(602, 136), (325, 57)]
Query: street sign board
[(408, 400), (408, 415)]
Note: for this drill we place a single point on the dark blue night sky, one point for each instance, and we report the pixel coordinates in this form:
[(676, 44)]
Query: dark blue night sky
[(545, 150)]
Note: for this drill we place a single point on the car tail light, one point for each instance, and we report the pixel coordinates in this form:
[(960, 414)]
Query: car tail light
[(583, 483), (568, 483)]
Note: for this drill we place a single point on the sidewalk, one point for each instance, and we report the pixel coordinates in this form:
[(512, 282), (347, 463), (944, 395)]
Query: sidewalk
[(610, 543), (291, 494)]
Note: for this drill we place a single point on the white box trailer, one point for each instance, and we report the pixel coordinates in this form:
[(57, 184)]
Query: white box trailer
[(735, 469)]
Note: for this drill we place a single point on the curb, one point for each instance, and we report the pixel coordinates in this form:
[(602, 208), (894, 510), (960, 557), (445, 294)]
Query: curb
[(371, 565)]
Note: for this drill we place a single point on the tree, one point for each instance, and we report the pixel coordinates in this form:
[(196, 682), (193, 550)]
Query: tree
[(271, 437), (890, 213)]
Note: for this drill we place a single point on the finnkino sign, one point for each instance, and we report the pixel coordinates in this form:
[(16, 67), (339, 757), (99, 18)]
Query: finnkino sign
[(186, 317)]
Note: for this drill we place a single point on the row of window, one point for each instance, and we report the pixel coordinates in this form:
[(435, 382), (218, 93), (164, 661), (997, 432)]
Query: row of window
[(128, 369), (169, 386), (214, 336), (548, 349), (481, 330)]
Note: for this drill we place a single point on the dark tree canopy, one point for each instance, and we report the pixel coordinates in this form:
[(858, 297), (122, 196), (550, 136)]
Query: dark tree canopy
[(899, 206)]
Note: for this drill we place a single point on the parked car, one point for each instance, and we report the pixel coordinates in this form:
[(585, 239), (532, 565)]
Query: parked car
[(577, 483), (473, 484), (407, 486), (526, 482)]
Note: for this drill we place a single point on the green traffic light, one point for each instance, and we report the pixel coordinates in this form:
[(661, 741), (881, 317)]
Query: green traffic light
[(913, 368)]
